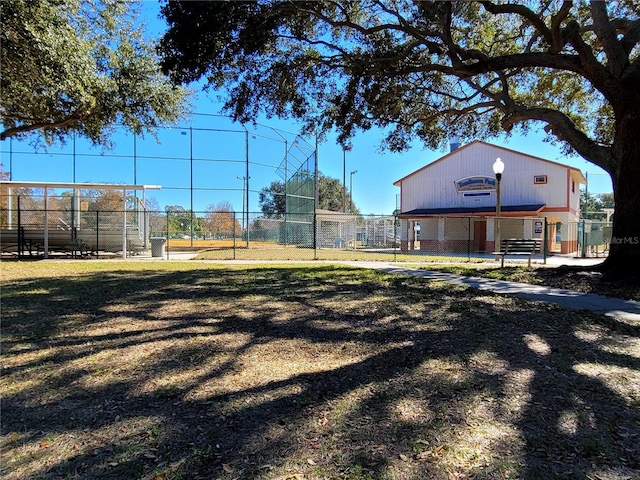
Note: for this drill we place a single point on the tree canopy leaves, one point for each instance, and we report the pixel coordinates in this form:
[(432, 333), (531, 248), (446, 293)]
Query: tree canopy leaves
[(424, 69), (429, 70), (272, 199), (80, 66)]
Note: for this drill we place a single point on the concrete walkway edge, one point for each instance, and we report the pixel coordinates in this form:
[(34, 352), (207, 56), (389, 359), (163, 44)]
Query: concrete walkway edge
[(612, 307)]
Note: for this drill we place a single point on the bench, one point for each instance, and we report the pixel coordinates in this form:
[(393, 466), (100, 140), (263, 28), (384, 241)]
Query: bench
[(77, 248), (18, 241), (518, 246)]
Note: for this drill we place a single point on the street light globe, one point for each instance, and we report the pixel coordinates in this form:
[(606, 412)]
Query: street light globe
[(498, 166)]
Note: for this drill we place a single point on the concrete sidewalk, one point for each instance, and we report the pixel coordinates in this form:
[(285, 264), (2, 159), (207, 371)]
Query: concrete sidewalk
[(613, 307)]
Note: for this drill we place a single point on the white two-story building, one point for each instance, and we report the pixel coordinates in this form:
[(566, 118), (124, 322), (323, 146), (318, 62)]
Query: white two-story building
[(450, 204)]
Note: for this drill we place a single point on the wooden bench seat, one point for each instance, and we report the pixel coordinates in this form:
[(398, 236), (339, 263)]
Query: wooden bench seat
[(77, 248), (518, 247)]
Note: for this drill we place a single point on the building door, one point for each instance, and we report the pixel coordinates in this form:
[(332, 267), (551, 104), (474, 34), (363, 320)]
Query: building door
[(553, 234), (480, 235)]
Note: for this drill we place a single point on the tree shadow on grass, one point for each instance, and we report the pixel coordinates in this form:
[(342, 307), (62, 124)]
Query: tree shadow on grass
[(322, 371)]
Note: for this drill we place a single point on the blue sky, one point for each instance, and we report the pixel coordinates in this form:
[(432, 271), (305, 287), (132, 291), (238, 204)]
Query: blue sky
[(219, 149)]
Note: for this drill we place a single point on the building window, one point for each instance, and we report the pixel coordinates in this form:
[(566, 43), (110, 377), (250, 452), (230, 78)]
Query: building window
[(573, 186), (540, 179)]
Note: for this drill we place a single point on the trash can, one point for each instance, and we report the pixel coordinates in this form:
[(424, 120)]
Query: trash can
[(157, 246)]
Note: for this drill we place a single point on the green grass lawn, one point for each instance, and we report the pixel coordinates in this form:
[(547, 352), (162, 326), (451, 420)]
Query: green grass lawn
[(292, 253), (143, 370)]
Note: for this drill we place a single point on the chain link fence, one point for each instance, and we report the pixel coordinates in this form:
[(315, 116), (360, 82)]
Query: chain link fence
[(479, 236), (29, 230), (594, 237), (72, 225), (297, 236)]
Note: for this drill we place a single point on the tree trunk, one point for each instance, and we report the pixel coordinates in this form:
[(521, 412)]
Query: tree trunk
[(624, 254)]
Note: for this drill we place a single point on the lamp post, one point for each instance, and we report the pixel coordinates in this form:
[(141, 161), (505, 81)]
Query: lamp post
[(498, 168), (351, 190)]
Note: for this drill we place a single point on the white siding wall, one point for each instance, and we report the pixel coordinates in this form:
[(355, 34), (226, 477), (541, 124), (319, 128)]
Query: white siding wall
[(433, 187), (574, 194), (429, 229), (512, 228)]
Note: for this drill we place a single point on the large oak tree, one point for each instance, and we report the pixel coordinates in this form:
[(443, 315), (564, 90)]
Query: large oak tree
[(80, 67), (426, 69)]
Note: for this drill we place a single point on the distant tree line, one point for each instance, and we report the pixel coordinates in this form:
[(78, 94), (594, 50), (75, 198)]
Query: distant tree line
[(592, 205)]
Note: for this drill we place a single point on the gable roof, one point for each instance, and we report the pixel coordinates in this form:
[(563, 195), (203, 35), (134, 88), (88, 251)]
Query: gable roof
[(576, 174)]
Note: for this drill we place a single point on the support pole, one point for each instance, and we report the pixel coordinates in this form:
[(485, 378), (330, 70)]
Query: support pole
[(10, 158), (124, 223), (46, 223), (145, 220), (10, 208), (76, 209), (234, 235), (316, 196), (545, 239), (135, 162), (344, 180), (469, 240), (247, 180), (286, 181), (20, 231), (10, 190), (498, 222), (191, 189)]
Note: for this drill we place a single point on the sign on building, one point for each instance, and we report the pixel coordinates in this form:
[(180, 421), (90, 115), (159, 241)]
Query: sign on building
[(473, 184)]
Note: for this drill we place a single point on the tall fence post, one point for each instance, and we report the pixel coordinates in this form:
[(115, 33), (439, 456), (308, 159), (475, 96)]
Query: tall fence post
[(234, 235), (469, 240), (285, 227), (584, 239), (409, 239), (167, 245), (315, 234), (545, 240), (396, 231), (97, 233), (46, 224), (20, 230)]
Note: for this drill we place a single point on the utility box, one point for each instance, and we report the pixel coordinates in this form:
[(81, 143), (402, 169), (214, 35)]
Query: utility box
[(157, 246)]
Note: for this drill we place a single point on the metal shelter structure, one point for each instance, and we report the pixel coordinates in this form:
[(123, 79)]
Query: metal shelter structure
[(47, 231)]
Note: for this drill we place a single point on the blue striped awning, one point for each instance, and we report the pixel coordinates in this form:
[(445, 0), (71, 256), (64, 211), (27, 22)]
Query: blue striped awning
[(491, 210)]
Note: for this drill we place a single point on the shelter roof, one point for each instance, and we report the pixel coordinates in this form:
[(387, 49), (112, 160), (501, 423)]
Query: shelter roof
[(490, 210), (102, 186)]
